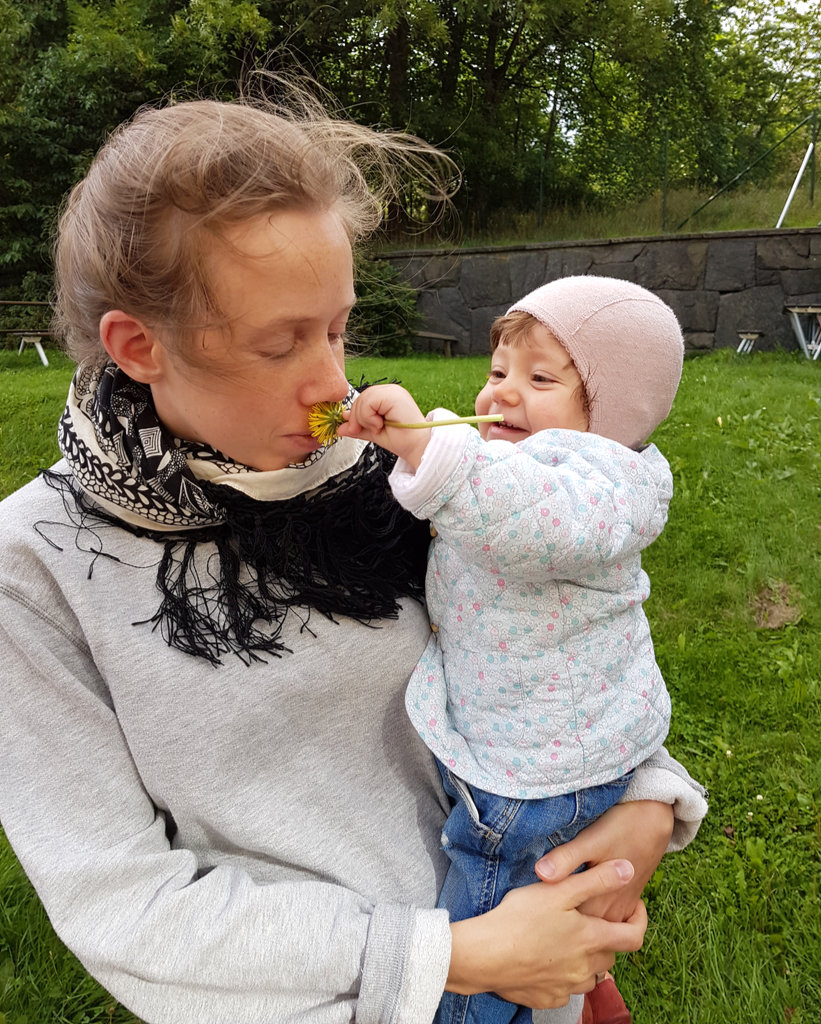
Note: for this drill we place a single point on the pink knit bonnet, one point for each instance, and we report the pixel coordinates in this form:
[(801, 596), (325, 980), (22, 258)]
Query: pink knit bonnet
[(626, 344)]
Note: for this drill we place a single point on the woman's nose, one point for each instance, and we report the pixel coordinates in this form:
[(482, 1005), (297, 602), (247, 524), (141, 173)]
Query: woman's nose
[(324, 376)]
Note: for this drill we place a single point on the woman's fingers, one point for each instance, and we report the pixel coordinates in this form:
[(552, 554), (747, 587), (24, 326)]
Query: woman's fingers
[(536, 948), (626, 830), (600, 880), (562, 861), (638, 831), (626, 936)]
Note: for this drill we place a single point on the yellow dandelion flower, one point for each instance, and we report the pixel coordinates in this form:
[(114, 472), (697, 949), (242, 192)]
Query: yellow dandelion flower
[(323, 419)]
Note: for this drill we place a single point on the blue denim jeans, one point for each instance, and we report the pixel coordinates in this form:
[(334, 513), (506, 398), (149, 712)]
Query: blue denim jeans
[(493, 843)]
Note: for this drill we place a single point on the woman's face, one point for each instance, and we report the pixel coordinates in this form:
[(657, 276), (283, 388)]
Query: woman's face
[(285, 284)]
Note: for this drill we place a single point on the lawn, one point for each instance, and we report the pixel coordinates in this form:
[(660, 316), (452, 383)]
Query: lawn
[(735, 931)]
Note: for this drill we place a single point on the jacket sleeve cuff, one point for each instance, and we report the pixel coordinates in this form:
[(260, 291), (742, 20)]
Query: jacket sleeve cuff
[(662, 778), (406, 965), (425, 491)]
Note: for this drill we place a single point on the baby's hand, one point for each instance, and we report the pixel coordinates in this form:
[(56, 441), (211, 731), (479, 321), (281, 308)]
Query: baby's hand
[(381, 402)]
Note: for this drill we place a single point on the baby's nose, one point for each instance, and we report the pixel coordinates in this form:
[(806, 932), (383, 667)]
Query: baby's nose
[(507, 391)]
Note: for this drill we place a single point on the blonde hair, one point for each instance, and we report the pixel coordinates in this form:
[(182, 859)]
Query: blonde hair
[(134, 233)]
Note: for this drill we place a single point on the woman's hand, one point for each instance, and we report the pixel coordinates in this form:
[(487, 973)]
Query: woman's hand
[(638, 831), (382, 402), (536, 948)]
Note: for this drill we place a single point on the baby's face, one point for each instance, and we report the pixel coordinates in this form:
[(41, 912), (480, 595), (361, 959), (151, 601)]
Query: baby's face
[(535, 385)]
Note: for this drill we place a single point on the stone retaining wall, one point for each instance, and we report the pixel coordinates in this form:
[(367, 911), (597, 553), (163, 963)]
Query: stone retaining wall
[(718, 284)]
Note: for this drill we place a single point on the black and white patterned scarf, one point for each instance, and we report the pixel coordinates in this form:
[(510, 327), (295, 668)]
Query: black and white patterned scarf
[(323, 535)]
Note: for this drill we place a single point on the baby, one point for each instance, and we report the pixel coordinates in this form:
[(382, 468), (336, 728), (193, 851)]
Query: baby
[(538, 692)]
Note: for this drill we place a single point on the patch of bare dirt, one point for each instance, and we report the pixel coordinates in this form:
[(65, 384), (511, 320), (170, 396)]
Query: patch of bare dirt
[(776, 605)]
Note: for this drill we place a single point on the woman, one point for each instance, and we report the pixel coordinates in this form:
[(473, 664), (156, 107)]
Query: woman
[(206, 768)]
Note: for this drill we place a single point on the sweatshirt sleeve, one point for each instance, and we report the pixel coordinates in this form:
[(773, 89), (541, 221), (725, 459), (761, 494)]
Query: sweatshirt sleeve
[(172, 942), (662, 778), (557, 504)]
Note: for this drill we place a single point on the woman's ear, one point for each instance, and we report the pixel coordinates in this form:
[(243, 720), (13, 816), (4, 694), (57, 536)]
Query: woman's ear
[(134, 347)]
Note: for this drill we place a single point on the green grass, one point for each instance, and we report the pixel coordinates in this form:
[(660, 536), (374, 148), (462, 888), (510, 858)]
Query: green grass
[(745, 207), (32, 397), (735, 931)]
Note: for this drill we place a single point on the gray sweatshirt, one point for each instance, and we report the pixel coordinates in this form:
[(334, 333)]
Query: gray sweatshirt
[(248, 843)]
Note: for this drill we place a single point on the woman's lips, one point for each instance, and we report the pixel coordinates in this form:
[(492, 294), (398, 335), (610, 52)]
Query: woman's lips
[(305, 442)]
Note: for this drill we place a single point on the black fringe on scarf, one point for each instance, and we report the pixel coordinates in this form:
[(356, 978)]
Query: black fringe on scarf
[(346, 548)]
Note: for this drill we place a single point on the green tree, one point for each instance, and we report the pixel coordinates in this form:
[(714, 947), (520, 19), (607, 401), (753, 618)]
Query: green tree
[(557, 103), (81, 69), (770, 52)]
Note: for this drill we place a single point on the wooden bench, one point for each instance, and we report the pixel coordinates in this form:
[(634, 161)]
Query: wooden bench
[(808, 333), (747, 340), (448, 340), (30, 336)]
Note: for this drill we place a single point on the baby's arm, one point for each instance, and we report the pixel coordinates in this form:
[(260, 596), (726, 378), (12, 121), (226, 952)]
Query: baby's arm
[(382, 402), (661, 812), (639, 832)]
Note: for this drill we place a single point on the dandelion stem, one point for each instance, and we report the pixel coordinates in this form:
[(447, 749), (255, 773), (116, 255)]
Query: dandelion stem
[(494, 418)]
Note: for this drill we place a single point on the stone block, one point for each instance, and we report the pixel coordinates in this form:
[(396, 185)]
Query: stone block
[(444, 312), (781, 252), (730, 264), (485, 280), (480, 321), (409, 268), (803, 282), (621, 271), (766, 275), (696, 311), (616, 252), (439, 271), (567, 262), (528, 270), (807, 299), (674, 264), (698, 341), (756, 309)]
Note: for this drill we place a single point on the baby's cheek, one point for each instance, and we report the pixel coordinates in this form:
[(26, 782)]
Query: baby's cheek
[(483, 403)]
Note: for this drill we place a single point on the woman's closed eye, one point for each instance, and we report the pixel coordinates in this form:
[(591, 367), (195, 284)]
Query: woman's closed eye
[(287, 346)]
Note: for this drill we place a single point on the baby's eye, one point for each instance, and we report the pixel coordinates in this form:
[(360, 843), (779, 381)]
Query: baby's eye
[(495, 375), (542, 378), (335, 337)]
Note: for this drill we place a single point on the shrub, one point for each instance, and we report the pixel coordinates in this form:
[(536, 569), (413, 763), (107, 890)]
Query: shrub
[(385, 315)]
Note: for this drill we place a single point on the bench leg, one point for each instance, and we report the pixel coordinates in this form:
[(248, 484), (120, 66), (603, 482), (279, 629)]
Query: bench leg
[(34, 339), (812, 338), (41, 353), (798, 330)]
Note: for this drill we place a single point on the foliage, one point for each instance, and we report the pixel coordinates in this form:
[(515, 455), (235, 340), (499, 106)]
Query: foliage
[(385, 315), (735, 930), (546, 106)]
